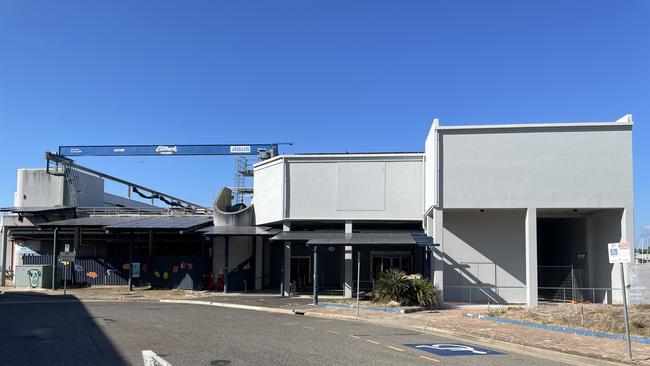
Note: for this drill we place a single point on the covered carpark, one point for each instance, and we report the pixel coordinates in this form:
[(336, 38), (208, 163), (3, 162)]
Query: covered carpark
[(572, 254)]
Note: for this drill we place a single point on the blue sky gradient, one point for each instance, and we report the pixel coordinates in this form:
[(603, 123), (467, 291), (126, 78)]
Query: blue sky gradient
[(328, 76)]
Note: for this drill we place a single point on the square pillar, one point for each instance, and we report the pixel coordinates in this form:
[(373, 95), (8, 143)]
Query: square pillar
[(438, 252), (286, 268), (259, 262), (348, 284), (627, 236), (347, 257), (285, 279), (531, 257)]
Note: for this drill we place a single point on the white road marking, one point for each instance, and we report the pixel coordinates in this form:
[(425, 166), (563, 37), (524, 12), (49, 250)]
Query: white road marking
[(152, 359)]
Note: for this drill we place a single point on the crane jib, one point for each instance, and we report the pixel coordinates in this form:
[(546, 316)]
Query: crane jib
[(153, 150)]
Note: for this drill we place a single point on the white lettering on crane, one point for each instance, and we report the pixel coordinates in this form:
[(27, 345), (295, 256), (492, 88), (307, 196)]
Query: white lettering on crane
[(166, 149)]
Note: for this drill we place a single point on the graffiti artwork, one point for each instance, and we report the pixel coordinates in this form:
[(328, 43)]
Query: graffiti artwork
[(34, 278)]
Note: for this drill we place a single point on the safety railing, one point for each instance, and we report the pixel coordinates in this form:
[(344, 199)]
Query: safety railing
[(583, 294), (140, 211), (480, 294)]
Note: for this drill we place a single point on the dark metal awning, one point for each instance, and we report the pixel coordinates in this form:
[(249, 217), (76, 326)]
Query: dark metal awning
[(183, 223), (239, 231), (100, 221), (363, 238), (298, 235)]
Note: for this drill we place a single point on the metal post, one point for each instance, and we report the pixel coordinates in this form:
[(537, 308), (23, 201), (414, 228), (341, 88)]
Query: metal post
[(65, 277), (56, 229), (315, 274), (150, 242), (627, 329), (226, 254), (131, 264), (3, 264), (282, 272), (358, 279)]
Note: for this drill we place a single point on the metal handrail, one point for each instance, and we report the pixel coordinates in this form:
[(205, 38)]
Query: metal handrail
[(574, 289), (110, 211)]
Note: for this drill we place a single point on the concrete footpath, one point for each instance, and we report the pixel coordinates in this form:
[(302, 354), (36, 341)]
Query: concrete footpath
[(577, 349)]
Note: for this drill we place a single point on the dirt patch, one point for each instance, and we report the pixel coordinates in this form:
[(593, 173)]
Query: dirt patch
[(595, 317)]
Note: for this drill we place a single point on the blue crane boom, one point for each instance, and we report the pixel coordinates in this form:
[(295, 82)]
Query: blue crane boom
[(262, 150)]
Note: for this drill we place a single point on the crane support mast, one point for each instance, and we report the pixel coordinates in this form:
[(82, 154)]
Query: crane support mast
[(264, 151)]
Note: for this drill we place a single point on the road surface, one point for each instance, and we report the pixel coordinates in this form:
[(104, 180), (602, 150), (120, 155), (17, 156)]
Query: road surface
[(45, 330)]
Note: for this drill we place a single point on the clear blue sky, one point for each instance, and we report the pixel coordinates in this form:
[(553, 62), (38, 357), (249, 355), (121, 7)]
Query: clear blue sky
[(328, 76)]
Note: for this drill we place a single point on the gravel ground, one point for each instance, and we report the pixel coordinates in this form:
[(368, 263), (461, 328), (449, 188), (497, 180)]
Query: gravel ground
[(596, 317)]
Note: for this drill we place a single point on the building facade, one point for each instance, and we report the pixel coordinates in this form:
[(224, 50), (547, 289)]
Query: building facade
[(490, 213)]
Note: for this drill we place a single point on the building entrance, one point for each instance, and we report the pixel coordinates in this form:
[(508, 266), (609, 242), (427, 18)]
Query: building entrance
[(300, 271)]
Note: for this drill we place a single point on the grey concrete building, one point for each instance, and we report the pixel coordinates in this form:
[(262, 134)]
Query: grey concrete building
[(490, 213)]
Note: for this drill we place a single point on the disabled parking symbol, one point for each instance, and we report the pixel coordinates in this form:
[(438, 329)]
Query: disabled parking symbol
[(449, 349)]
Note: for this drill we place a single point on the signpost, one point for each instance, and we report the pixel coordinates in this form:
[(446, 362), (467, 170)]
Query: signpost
[(622, 253), (65, 258)]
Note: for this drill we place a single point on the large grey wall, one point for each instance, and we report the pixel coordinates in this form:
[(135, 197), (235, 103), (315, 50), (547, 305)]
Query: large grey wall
[(484, 247), (37, 188), (268, 186), (364, 188), (585, 167), (340, 187)]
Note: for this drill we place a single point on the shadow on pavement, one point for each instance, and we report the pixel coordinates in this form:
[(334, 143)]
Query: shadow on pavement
[(42, 329)]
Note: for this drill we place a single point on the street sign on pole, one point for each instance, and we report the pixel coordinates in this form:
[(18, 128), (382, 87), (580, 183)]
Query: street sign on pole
[(622, 253), (67, 256), (136, 270)]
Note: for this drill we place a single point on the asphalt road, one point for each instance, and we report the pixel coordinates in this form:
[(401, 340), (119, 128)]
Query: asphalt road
[(39, 330)]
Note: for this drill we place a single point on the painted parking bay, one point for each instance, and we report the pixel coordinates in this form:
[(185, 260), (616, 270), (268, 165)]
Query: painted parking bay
[(453, 349)]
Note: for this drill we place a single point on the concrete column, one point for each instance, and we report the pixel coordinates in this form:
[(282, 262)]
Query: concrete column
[(259, 262), (287, 268), (627, 235), (531, 257), (286, 263), (3, 256), (348, 268), (267, 263), (438, 252)]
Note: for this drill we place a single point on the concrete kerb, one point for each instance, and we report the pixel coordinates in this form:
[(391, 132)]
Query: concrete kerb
[(229, 306)]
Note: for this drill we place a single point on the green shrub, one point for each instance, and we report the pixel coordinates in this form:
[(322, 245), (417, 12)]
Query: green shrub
[(423, 293), (413, 290), (391, 285)]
